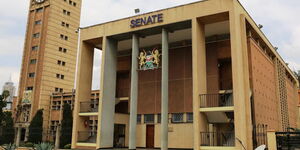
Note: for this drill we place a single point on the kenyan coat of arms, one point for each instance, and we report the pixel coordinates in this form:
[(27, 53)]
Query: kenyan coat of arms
[(149, 60)]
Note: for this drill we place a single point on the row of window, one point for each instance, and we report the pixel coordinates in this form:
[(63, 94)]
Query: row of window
[(64, 37), (56, 89), (60, 76), (64, 24), (61, 63), (66, 12), (31, 75), (175, 118), (62, 49), (56, 104), (71, 3)]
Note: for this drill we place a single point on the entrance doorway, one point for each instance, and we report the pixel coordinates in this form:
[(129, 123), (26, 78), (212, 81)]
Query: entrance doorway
[(150, 136), (119, 135)]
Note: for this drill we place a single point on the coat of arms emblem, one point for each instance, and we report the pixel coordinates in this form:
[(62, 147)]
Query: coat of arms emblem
[(149, 60)]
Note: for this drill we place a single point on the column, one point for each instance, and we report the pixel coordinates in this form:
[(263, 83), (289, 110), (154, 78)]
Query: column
[(240, 79), (105, 133), (133, 92), (164, 90), (57, 137), (199, 78), (18, 138)]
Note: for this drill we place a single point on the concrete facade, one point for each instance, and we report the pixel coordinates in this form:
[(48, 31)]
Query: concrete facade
[(219, 77), (49, 56)]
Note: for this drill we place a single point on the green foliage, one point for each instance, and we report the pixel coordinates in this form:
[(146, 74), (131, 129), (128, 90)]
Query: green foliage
[(28, 144), (4, 95), (10, 147), (36, 128), (68, 146), (66, 126), (8, 130), (43, 146), (297, 75)]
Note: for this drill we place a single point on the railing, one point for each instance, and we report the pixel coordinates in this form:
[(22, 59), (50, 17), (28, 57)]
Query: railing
[(288, 140), (260, 135), (87, 107), (216, 100), (87, 137), (217, 138)]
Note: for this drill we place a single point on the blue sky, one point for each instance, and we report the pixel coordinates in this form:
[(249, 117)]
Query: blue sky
[(279, 18)]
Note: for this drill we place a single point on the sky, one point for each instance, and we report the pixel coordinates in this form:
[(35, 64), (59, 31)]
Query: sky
[(279, 19)]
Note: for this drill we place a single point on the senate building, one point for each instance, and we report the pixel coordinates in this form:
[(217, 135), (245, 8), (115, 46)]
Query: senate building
[(196, 76)]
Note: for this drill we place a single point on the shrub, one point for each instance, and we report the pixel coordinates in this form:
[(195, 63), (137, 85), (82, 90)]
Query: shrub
[(68, 146), (66, 126), (10, 147), (43, 146), (28, 144)]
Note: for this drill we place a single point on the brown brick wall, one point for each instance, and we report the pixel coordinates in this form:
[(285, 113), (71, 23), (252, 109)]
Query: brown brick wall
[(263, 80)]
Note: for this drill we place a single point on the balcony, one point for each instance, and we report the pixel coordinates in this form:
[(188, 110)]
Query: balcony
[(87, 137), (217, 139), (221, 99), (89, 108), (218, 108)]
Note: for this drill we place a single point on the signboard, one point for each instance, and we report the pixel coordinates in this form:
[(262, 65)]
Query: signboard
[(149, 60), (146, 20)]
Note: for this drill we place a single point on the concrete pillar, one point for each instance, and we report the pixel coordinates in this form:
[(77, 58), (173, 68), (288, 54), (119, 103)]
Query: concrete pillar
[(105, 133), (240, 77), (133, 92), (199, 78), (57, 137), (271, 136), (18, 138), (83, 87), (165, 90), (26, 134)]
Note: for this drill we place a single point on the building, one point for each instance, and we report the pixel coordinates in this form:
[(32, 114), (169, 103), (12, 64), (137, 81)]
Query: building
[(298, 125), (9, 86), (196, 76), (49, 56), (57, 102)]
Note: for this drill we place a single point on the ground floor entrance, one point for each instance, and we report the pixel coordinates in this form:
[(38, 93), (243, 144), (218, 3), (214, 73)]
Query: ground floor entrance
[(150, 136), (119, 135)]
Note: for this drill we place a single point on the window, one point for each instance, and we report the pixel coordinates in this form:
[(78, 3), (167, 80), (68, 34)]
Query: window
[(59, 89), (189, 117), (177, 118), (57, 75), (74, 4), (29, 88), (38, 22), (67, 25), (60, 49), (39, 10), (66, 38), (139, 118), (70, 2), (62, 36), (63, 23), (63, 63), (149, 118), (34, 48), (62, 76), (65, 11), (36, 35), (65, 50), (56, 89), (158, 118), (68, 13), (59, 62), (33, 61), (31, 75)]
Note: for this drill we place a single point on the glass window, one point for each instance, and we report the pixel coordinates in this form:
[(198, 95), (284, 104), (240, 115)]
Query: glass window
[(36, 35), (31, 75), (149, 118), (158, 118), (177, 118), (29, 88), (34, 48), (63, 63), (38, 22), (139, 118), (62, 76), (189, 117), (33, 61), (39, 10)]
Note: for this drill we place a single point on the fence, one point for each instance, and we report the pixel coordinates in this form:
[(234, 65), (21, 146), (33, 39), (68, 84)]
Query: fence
[(260, 135), (217, 138), (287, 140), (216, 100)]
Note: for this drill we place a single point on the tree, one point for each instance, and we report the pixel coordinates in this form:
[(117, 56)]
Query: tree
[(297, 75), (4, 95), (36, 128), (66, 126), (8, 130)]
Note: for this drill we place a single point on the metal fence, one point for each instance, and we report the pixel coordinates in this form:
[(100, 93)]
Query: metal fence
[(89, 106), (216, 100), (217, 138), (288, 140), (260, 135)]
